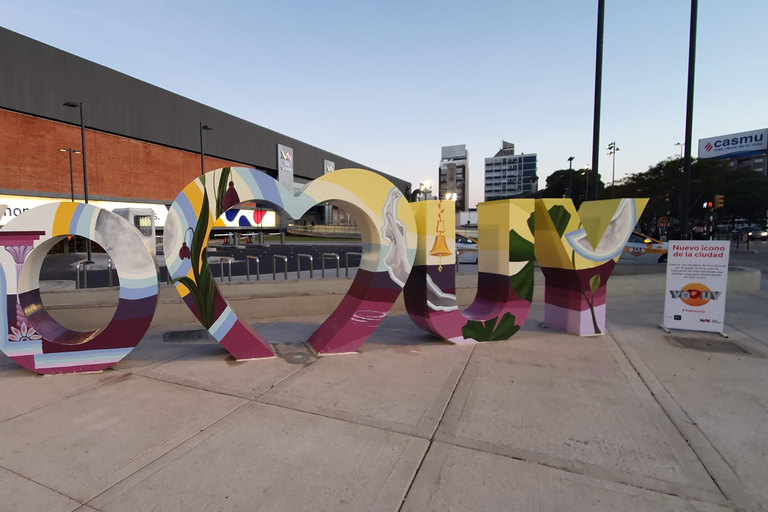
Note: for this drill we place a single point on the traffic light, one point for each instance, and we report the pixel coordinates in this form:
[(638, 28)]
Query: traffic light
[(707, 204), (719, 201)]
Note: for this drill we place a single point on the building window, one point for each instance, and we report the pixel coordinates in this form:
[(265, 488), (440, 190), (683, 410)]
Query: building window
[(144, 224)]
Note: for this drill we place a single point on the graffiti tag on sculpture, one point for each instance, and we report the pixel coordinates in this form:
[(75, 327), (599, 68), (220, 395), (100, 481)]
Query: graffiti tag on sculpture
[(407, 247)]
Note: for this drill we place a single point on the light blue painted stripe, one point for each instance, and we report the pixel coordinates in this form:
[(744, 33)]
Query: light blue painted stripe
[(140, 282), (180, 267), (137, 293), (184, 210), (28, 348), (268, 187), (75, 218), (82, 357), (86, 218), (223, 324)]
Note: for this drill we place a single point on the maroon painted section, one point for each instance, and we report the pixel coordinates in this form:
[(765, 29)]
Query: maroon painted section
[(10, 238), (494, 297), (563, 287), (125, 330), (243, 342), (358, 315)]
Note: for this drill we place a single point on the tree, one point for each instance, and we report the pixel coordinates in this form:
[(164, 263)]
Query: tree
[(746, 191), (558, 182)]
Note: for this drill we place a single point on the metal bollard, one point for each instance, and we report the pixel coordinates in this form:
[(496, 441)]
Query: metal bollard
[(110, 266), (285, 265), (282, 237), (78, 265), (346, 259), (248, 268), (298, 265), (229, 260), (331, 256), (261, 238)]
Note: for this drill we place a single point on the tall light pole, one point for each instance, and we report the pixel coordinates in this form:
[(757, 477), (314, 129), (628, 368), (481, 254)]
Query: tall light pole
[(203, 127), (612, 149), (682, 145), (598, 90), (686, 196), (71, 178), (570, 172), (72, 104)]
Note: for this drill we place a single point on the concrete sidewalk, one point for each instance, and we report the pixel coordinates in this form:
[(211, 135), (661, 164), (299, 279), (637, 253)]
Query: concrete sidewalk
[(634, 420)]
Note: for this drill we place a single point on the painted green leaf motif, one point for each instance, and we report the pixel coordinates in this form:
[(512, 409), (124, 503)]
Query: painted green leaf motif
[(221, 190), (520, 249), (489, 331), (522, 282), (594, 283), (531, 223), (560, 218)]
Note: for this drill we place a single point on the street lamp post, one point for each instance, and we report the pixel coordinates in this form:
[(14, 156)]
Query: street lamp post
[(570, 171), (72, 104), (612, 149), (203, 127), (71, 178), (425, 188), (682, 145), (586, 172)]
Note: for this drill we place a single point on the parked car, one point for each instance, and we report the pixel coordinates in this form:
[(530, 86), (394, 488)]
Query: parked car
[(749, 232), (642, 248), (466, 249)]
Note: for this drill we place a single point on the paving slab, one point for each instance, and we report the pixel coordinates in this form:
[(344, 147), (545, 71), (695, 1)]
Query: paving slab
[(721, 395), (400, 383), (24, 390), (453, 478), (565, 402), (267, 458), (83, 444), (19, 494), (212, 368)]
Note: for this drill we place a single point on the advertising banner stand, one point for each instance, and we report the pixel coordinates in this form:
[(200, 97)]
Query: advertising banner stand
[(697, 278)]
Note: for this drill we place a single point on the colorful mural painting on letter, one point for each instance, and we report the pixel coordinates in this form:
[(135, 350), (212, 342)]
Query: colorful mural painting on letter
[(389, 246), (577, 253), (505, 272), (29, 335)]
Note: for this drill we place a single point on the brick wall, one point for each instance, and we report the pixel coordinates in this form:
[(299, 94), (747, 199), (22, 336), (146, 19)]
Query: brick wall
[(118, 167)]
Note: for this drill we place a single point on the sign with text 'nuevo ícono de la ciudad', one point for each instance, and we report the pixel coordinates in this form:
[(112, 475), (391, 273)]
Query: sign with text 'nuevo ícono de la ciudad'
[(697, 277)]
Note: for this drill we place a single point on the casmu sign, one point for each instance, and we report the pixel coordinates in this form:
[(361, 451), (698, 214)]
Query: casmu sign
[(407, 247), (735, 145)]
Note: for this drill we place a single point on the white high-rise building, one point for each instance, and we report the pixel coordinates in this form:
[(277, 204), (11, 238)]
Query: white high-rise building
[(509, 175)]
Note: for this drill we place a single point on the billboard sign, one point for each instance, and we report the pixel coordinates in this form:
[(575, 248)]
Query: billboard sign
[(735, 145), (285, 166), (697, 276)]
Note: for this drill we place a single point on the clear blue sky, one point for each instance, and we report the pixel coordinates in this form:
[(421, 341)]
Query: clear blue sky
[(388, 83)]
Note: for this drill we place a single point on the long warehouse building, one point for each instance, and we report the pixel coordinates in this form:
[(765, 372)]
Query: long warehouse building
[(142, 142)]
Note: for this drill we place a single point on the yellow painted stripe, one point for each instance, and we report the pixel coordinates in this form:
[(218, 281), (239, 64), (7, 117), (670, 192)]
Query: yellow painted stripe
[(63, 218)]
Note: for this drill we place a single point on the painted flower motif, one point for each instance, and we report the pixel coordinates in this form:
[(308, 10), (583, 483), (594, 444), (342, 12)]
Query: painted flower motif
[(184, 252), (230, 197), (23, 334)]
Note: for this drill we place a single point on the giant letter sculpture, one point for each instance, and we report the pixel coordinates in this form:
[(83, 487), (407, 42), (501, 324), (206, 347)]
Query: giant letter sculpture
[(505, 272), (30, 336), (389, 242), (577, 253)]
